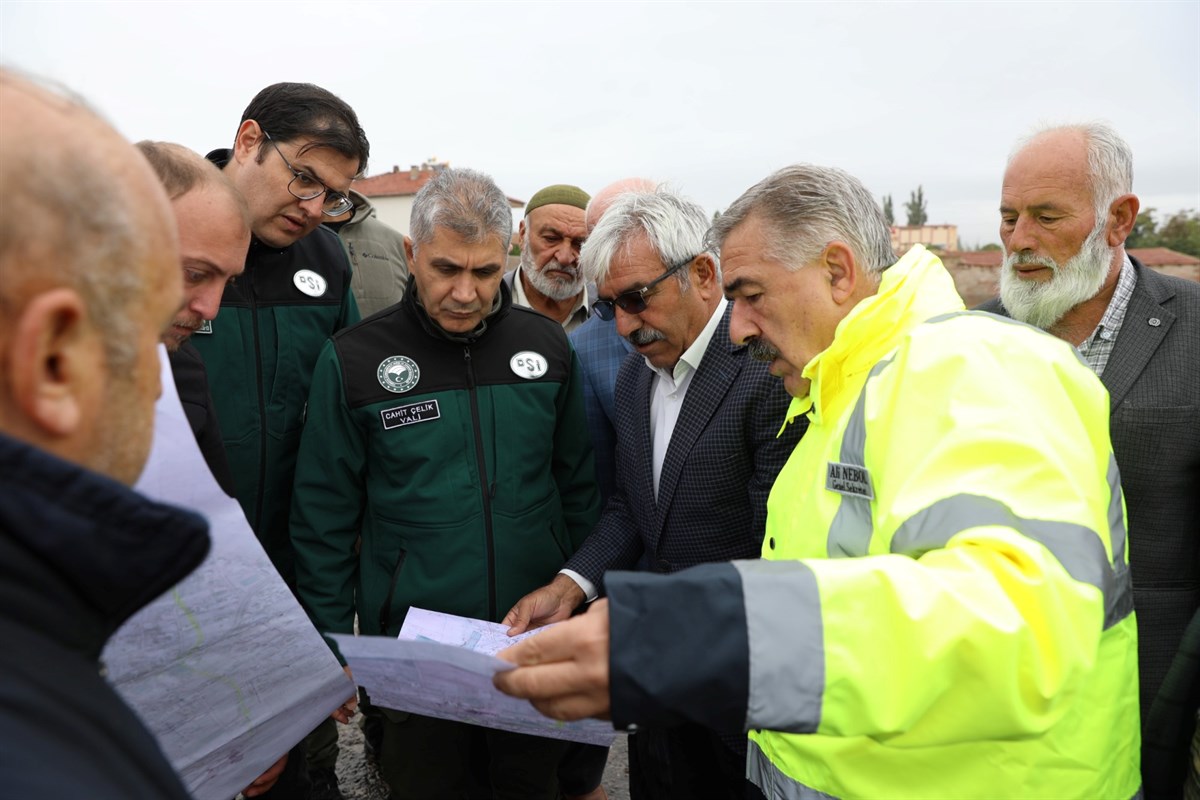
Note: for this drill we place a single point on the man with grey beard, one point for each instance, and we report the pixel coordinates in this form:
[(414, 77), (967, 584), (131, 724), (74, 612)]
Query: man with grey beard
[(1066, 208), (548, 279)]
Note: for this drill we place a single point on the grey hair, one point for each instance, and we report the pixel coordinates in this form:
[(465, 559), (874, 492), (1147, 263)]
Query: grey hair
[(467, 202), (1110, 161), (76, 224), (674, 226), (805, 208)]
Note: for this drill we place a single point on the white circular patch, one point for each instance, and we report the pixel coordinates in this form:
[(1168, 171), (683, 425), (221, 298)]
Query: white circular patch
[(528, 364), (309, 282), (398, 374)]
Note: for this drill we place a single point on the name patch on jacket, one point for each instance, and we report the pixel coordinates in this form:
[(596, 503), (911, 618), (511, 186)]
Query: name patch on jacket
[(400, 416), (849, 480)]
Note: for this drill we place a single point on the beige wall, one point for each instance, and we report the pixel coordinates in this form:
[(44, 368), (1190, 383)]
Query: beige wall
[(976, 284), (397, 211), (942, 237), (394, 211), (1190, 272), (979, 284)]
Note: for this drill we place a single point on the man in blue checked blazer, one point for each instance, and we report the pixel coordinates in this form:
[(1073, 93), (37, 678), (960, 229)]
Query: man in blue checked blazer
[(698, 447), (601, 351)]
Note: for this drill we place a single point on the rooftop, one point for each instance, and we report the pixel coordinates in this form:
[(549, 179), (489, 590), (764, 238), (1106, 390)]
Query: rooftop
[(407, 182)]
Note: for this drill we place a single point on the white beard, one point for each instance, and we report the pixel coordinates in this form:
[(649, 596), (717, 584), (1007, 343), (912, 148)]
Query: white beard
[(1043, 303), (550, 287)]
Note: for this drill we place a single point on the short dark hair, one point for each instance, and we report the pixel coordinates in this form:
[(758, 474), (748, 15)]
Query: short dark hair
[(291, 111)]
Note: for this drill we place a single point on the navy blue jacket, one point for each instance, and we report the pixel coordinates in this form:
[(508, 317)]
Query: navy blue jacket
[(79, 554)]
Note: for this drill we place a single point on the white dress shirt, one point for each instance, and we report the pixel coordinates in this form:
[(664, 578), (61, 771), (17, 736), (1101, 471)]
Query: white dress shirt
[(668, 388)]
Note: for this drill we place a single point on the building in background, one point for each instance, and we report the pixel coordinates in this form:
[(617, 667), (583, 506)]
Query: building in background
[(392, 192), (938, 238), (977, 274)]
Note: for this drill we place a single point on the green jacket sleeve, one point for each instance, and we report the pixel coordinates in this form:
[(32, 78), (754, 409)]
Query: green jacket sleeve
[(327, 501)]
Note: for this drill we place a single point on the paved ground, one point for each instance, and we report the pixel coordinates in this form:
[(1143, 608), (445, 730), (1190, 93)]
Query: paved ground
[(360, 782)]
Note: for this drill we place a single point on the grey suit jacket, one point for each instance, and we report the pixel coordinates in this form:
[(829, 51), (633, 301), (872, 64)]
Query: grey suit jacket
[(1153, 380), (723, 457)]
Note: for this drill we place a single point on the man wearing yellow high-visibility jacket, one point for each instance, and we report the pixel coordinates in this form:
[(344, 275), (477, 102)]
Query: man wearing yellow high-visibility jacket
[(944, 606)]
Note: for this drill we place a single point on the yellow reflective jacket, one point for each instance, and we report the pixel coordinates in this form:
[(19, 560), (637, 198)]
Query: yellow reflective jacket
[(956, 506)]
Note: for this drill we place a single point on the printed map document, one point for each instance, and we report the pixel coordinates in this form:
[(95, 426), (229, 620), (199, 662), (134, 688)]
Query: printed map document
[(225, 669), (442, 666)]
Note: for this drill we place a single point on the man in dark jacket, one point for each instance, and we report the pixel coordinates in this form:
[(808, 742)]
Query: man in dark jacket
[(214, 232), (698, 448), (296, 152), (91, 281), (1066, 207), (448, 433)]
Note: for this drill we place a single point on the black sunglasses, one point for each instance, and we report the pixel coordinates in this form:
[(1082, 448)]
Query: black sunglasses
[(634, 301)]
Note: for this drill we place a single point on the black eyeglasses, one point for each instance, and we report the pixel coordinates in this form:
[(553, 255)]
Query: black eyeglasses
[(305, 187), (634, 301)]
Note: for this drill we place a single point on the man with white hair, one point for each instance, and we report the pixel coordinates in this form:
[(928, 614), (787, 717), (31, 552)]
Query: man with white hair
[(698, 448), (943, 607), (601, 350), (1067, 205), (548, 279)]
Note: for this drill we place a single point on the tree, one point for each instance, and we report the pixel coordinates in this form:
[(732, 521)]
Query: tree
[(1181, 233), (888, 213), (1144, 233), (915, 208)]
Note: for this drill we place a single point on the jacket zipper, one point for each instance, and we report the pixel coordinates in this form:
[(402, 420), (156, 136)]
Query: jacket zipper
[(385, 613), (262, 411), (483, 487)]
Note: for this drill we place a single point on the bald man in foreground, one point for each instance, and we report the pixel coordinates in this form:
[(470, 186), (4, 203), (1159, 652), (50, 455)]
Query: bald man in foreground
[(91, 282)]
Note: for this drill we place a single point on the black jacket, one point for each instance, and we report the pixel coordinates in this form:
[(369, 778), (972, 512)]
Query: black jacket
[(79, 554), (191, 382)]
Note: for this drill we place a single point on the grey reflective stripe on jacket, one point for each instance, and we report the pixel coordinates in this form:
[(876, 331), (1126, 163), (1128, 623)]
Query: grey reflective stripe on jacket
[(850, 531), (776, 785), (1079, 549), (787, 645)]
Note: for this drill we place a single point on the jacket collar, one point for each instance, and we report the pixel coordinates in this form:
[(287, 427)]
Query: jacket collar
[(911, 291), (100, 550), (501, 304)]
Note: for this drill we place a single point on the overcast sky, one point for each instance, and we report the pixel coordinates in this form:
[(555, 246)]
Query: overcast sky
[(710, 97)]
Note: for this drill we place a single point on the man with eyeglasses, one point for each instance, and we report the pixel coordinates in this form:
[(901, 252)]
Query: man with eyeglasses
[(943, 607), (297, 150), (697, 452)]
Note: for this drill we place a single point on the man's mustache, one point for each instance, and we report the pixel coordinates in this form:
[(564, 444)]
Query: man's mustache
[(644, 336), (762, 350)]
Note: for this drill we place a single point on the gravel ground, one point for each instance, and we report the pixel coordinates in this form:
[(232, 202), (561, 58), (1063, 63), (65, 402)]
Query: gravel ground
[(360, 781)]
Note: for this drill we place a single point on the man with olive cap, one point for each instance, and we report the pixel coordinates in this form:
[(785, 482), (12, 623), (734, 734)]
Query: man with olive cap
[(548, 278)]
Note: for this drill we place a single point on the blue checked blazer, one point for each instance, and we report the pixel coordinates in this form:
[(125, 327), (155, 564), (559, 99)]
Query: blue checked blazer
[(716, 475), (601, 350)]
